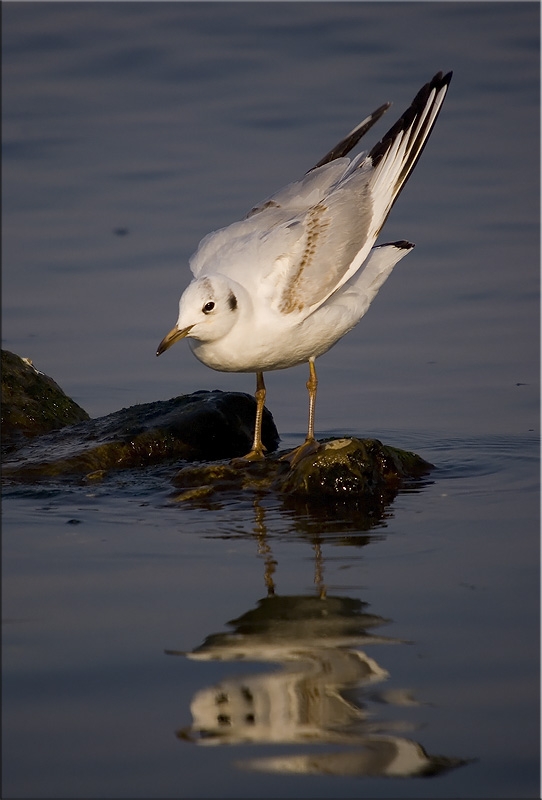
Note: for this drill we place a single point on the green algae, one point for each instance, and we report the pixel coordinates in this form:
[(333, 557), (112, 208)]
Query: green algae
[(205, 431), (32, 403)]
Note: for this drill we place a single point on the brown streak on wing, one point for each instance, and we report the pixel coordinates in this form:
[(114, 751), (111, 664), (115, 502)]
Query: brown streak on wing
[(292, 298)]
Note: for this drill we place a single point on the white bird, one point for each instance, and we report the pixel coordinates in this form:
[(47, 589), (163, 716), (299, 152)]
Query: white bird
[(284, 284)]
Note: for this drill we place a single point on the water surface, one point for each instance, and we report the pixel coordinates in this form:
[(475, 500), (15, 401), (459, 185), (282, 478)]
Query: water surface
[(158, 649)]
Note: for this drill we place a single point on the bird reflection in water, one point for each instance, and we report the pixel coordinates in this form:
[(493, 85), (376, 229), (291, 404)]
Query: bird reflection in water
[(324, 694)]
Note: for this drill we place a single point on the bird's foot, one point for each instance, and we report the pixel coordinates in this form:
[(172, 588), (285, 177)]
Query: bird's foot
[(308, 447), (256, 454)]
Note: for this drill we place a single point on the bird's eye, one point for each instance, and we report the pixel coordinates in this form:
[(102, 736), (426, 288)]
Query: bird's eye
[(208, 307)]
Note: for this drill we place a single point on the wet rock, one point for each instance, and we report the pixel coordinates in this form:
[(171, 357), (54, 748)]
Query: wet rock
[(343, 468), (199, 426), (212, 427), (32, 403), (340, 470), (201, 483)]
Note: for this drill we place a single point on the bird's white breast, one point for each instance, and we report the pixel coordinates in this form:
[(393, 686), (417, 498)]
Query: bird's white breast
[(279, 341)]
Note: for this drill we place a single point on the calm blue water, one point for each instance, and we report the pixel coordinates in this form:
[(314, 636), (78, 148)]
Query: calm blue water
[(129, 132)]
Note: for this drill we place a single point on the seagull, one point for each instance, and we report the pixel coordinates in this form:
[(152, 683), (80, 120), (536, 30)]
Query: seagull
[(283, 285)]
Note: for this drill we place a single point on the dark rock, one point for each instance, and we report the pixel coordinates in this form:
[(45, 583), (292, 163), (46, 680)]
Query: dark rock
[(340, 470), (199, 426), (349, 468), (32, 403), (203, 426)]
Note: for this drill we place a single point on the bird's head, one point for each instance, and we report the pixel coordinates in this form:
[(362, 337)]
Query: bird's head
[(208, 309)]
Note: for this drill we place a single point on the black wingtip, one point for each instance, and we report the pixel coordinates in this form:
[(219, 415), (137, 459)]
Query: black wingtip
[(401, 244), (350, 141), (437, 82)]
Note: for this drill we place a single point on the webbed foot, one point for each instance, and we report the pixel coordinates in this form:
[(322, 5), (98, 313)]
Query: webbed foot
[(308, 447)]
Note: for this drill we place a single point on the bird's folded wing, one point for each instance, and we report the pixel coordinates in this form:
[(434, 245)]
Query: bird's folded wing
[(221, 250), (306, 241), (319, 247), (337, 234)]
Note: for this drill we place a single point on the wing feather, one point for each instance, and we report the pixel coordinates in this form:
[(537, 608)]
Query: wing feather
[(307, 240), (339, 238)]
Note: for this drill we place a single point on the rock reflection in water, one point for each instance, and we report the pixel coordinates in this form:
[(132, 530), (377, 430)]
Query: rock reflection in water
[(324, 692)]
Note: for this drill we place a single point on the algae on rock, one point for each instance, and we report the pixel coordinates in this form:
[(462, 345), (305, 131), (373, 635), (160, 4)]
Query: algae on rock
[(353, 471), (200, 426), (32, 403), (204, 426)]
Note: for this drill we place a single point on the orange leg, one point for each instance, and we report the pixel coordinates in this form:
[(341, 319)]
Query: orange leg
[(310, 445), (258, 450), (312, 386)]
